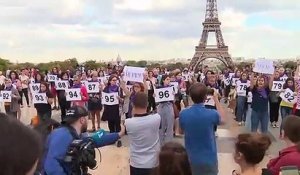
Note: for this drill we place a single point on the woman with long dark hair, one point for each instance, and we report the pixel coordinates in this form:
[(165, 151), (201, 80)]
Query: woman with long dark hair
[(13, 75), (11, 108), (285, 107), (173, 160), (166, 111), (260, 100), (25, 81), (112, 113), (61, 95), (94, 103), (44, 110)]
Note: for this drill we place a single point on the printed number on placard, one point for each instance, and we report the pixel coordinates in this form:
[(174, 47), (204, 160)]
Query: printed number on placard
[(164, 94), (92, 87), (243, 87), (73, 94), (62, 85), (209, 101), (39, 98), (290, 97), (35, 87), (277, 86), (110, 99), (5, 96)]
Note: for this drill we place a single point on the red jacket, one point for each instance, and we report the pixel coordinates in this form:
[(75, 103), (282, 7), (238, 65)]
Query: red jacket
[(287, 157)]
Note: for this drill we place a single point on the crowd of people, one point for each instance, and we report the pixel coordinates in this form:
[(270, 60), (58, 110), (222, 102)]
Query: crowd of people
[(151, 112)]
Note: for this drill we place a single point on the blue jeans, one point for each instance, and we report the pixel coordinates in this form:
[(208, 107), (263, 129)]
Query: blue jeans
[(284, 112), (204, 169), (241, 108), (261, 117)]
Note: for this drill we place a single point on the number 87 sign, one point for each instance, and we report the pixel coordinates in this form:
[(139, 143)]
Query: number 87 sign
[(164, 94)]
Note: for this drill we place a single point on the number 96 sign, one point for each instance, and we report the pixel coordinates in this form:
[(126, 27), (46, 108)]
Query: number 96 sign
[(164, 94)]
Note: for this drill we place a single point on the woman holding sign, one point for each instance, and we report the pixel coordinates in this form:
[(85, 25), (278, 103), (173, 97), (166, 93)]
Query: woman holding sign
[(94, 103), (242, 89), (166, 110), (43, 105), (61, 95), (137, 87), (260, 99), (83, 92), (274, 100), (286, 107), (52, 84), (112, 110), (13, 107), (17, 85)]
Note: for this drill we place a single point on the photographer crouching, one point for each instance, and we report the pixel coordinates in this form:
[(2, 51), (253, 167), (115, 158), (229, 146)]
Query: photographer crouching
[(68, 152)]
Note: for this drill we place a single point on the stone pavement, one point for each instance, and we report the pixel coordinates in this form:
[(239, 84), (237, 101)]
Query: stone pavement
[(115, 161)]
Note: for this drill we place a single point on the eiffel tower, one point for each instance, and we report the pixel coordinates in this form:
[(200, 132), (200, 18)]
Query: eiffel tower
[(204, 51)]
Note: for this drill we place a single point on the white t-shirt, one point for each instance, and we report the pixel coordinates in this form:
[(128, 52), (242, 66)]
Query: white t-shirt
[(143, 133), (23, 78)]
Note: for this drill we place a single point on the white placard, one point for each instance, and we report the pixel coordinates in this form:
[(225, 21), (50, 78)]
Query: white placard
[(175, 86), (288, 96), (73, 94), (231, 75), (93, 87), (283, 78), (110, 98), (34, 87), (135, 74), (210, 101), (277, 86), (241, 89), (164, 94), (264, 66), (227, 81), (234, 80), (5, 96), (185, 77), (39, 98), (52, 78), (62, 84)]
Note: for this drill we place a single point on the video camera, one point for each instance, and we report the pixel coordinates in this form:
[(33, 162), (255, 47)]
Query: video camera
[(81, 156)]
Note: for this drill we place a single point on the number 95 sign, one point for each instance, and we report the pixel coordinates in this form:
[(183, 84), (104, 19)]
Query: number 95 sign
[(110, 98), (164, 94)]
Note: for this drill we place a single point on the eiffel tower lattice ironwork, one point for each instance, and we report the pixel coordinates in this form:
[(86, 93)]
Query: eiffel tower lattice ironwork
[(204, 51)]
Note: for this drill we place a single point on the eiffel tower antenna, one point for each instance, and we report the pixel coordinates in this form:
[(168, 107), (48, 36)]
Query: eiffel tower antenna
[(203, 51)]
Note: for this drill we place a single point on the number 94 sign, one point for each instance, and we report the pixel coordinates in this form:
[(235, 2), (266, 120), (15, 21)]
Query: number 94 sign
[(164, 94)]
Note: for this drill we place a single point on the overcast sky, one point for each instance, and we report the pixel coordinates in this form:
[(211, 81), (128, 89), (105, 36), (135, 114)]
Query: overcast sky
[(44, 30)]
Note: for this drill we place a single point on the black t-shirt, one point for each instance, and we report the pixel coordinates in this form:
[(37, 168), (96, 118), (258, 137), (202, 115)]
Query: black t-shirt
[(44, 108)]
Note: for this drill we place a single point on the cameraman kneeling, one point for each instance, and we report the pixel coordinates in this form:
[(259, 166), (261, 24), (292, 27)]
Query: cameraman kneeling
[(61, 140)]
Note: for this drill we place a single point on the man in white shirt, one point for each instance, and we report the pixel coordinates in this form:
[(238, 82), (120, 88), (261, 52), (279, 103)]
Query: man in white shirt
[(143, 132)]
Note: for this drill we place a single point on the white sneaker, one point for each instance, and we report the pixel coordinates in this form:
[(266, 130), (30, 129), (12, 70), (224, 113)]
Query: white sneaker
[(240, 123)]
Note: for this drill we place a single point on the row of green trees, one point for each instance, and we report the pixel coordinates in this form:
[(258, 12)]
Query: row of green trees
[(72, 63)]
